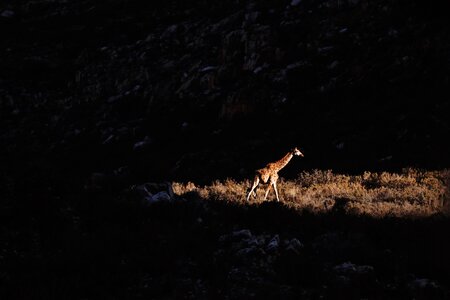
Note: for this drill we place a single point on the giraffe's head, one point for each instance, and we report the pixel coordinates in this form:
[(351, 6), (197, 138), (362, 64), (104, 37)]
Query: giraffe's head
[(297, 152)]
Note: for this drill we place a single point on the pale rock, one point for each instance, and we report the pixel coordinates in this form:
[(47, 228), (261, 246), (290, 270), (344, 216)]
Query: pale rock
[(273, 244), (7, 13)]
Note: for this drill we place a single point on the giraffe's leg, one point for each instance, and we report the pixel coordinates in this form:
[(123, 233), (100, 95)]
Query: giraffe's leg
[(267, 191), (276, 191), (255, 184), (256, 187)]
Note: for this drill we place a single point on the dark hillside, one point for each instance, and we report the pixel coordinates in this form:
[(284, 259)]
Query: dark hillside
[(358, 84)]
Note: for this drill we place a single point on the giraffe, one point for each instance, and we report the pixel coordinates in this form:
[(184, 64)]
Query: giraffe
[(269, 174)]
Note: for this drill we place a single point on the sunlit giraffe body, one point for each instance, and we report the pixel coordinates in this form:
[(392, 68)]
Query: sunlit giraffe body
[(269, 174)]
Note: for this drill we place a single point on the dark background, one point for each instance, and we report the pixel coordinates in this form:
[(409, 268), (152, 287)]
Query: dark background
[(113, 93), (356, 85)]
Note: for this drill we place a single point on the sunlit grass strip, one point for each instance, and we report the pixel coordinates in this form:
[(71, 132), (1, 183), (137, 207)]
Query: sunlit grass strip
[(409, 193)]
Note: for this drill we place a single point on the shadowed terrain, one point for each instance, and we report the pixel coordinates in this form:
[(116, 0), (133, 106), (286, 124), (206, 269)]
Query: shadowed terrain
[(111, 247)]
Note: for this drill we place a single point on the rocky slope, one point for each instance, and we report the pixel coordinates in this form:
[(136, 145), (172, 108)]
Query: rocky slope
[(111, 83)]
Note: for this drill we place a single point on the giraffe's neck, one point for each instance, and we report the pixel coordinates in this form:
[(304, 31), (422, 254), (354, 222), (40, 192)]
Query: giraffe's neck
[(280, 164)]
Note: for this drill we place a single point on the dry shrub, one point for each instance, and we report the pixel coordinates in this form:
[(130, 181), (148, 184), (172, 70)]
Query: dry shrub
[(409, 193), (183, 188)]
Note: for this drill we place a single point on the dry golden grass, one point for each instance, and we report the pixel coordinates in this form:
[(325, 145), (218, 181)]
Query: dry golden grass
[(411, 193)]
